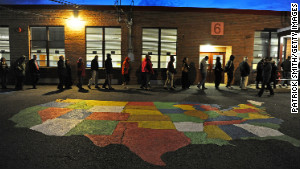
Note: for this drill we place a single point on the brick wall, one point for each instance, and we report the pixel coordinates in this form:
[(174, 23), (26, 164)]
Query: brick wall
[(193, 30)]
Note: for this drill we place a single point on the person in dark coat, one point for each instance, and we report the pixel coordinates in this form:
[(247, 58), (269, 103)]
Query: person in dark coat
[(229, 68), (267, 70), (274, 74), (68, 81), (19, 68), (259, 70), (286, 66), (245, 71), (170, 74), (94, 68), (34, 71), (3, 72), (80, 73), (108, 71), (218, 73), (185, 74), (62, 73)]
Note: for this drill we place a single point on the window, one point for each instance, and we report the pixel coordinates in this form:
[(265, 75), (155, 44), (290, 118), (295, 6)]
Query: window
[(4, 44), (159, 43), (103, 40), (48, 43), (265, 44)]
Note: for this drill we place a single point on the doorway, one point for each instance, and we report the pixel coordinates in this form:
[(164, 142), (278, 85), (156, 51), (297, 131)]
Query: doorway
[(212, 57)]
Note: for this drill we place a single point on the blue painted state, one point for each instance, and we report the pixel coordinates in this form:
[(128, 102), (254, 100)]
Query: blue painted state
[(275, 5), (224, 118), (236, 132), (269, 120)]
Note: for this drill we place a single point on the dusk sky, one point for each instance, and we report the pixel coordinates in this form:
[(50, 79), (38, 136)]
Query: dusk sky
[(277, 5)]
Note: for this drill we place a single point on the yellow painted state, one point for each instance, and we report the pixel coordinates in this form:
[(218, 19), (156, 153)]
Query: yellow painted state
[(257, 116), (69, 100), (197, 113), (228, 113), (141, 107), (185, 107), (105, 103), (214, 132), (156, 124), (148, 118), (142, 112)]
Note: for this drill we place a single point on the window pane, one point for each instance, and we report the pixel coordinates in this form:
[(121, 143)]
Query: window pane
[(56, 34), (168, 48), (38, 33), (150, 47), (150, 34), (97, 31), (112, 45), (116, 60), (4, 35), (56, 44), (112, 31), (169, 35)]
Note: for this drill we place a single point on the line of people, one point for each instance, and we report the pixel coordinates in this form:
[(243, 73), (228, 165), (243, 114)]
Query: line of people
[(266, 73)]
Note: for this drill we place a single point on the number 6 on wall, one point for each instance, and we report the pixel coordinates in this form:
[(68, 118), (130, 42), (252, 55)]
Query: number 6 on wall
[(217, 28)]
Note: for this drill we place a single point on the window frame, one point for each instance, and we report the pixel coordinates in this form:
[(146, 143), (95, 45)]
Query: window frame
[(47, 43), (159, 44), (5, 52), (103, 57)]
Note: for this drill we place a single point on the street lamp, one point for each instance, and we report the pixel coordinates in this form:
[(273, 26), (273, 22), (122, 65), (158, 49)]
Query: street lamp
[(75, 22)]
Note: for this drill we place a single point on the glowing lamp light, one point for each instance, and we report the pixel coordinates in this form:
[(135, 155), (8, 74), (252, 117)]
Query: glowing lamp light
[(75, 22)]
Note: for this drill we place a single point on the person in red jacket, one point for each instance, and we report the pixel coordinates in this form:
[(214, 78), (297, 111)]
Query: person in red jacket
[(147, 70), (125, 72), (80, 73)]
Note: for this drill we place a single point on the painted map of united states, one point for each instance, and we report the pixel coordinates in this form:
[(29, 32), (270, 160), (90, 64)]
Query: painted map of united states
[(150, 129)]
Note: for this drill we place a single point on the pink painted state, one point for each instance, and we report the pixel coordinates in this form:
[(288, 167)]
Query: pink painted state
[(208, 108), (223, 122), (149, 144), (245, 110)]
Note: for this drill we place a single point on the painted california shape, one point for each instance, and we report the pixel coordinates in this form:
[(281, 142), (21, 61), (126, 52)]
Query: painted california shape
[(150, 129)]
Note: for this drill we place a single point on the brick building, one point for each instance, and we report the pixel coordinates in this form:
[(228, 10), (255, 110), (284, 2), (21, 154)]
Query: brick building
[(48, 32)]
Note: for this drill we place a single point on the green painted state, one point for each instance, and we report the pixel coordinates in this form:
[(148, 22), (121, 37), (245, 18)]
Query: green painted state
[(28, 117), (212, 114), (79, 105), (286, 138), (94, 127), (165, 105), (184, 118), (269, 125), (242, 115), (201, 138)]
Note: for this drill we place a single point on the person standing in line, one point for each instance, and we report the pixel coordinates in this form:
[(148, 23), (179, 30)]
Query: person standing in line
[(125, 72), (286, 66), (34, 71), (94, 68), (147, 70), (203, 70), (68, 81), (170, 73), (266, 77), (80, 73), (245, 71), (229, 68), (185, 74), (218, 73), (3, 72), (108, 71), (259, 69), (62, 72), (19, 68), (274, 74)]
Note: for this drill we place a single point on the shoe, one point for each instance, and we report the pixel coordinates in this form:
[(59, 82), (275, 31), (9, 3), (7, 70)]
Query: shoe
[(172, 88), (204, 88), (89, 86), (217, 88), (165, 88), (97, 87), (198, 86), (111, 88)]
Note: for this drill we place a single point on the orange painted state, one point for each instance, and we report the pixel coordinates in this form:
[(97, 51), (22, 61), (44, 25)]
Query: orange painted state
[(52, 113), (108, 116)]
